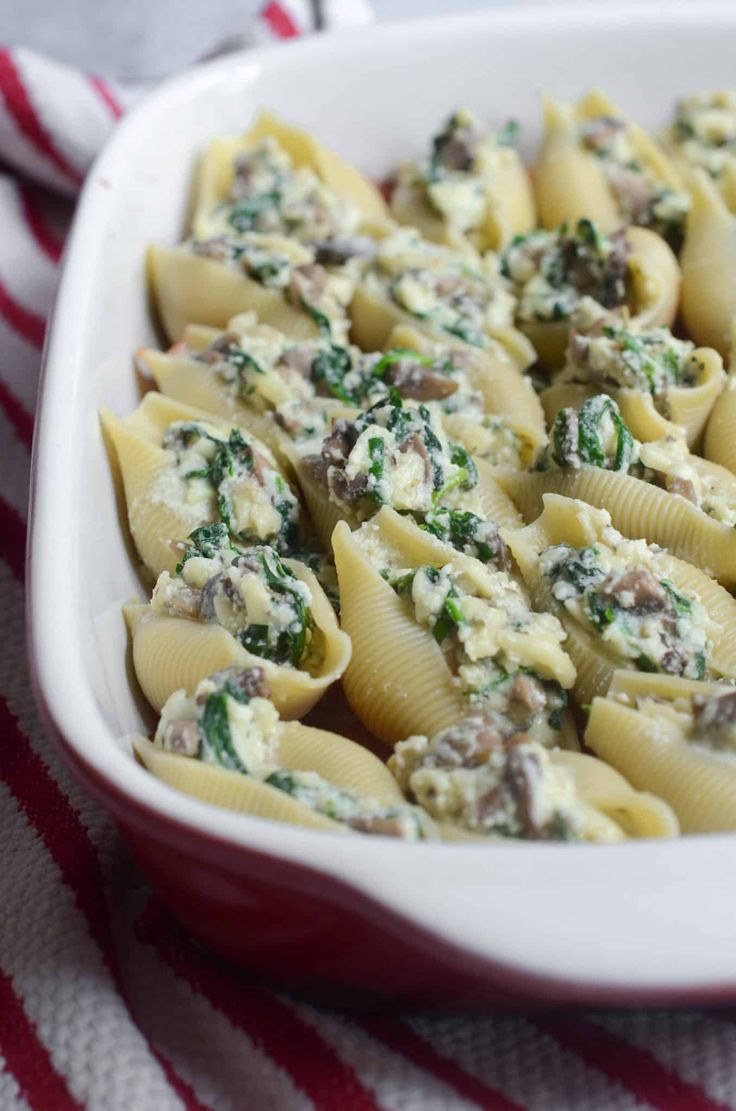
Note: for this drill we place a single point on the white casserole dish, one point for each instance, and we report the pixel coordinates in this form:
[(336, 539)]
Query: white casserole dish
[(646, 921)]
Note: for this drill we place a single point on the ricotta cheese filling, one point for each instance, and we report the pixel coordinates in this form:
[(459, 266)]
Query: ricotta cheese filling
[(231, 724), (249, 592), (289, 268), (508, 660), (464, 162), (463, 295), (396, 454), (471, 776), (613, 588), (217, 476), (556, 274), (642, 199), (704, 131), (268, 194), (614, 356)]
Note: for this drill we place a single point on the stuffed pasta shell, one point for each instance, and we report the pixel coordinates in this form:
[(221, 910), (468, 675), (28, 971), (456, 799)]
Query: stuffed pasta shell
[(472, 187), (579, 277), (623, 603), (674, 737), (208, 281), (437, 634), (225, 744), (278, 178), (472, 779), (702, 135), (230, 605), (394, 453), (720, 442), (594, 163), (709, 266), (182, 469), (489, 407), (458, 296), (657, 489), (661, 384)]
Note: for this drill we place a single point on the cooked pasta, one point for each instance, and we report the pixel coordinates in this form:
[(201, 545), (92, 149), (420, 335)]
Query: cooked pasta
[(470, 454)]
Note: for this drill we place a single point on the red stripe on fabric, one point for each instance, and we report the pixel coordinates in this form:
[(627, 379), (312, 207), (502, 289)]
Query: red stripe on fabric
[(106, 95), (401, 1039), (12, 539), (26, 1056), (21, 420), (310, 1062), (19, 105), (58, 825), (36, 223), (280, 22), (27, 324), (628, 1065)]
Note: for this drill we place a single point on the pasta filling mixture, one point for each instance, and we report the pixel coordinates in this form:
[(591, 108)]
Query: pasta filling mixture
[(460, 294), (473, 776), (224, 477), (470, 534), (465, 161), (288, 268), (249, 592), (704, 131), (596, 435), (508, 660), (707, 721), (562, 274), (613, 589), (231, 724), (641, 198), (266, 370), (395, 454), (615, 357), (270, 195)]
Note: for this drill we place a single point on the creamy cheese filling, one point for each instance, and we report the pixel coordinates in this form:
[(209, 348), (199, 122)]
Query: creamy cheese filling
[(704, 131), (396, 454), (641, 197), (554, 273), (460, 294), (465, 161), (507, 659), (231, 724), (249, 592), (214, 476), (469, 775), (614, 356), (614, 589)]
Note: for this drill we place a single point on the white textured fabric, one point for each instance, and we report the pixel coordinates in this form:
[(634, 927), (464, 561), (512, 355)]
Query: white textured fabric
[(104, 1001)]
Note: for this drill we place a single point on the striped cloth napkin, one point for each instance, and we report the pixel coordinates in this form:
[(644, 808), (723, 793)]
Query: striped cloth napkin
[(104, 1001)]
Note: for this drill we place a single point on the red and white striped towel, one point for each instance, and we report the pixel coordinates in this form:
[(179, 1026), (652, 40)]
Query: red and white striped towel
[(104, 1001)]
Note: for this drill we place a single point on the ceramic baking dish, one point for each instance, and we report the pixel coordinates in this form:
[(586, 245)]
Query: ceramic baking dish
[(446, 923)]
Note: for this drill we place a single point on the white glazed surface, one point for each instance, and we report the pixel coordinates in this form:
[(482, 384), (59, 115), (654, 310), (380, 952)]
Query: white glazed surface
[(649, 916)]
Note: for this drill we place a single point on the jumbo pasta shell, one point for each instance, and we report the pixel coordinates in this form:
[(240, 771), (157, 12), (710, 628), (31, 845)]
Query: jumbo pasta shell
[(509, 208), (348, 766), (216, 170), (506, 393), (720, 441), (636, 813), (570, 183), (638, 509), (174, 653), (192, 289), (154, 522), (709, 266), (564, 520), (699, 786), (654, 280)]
